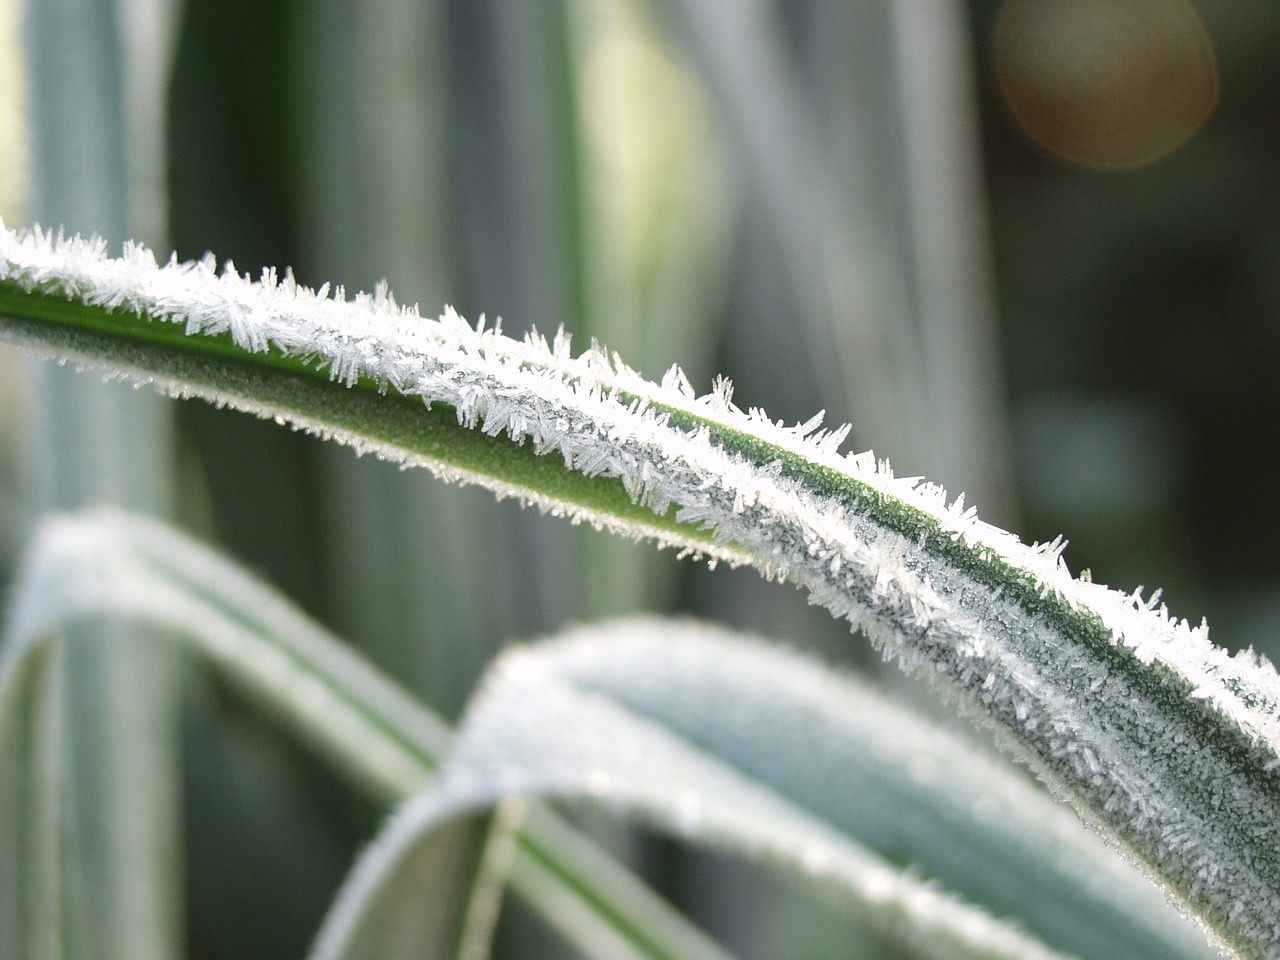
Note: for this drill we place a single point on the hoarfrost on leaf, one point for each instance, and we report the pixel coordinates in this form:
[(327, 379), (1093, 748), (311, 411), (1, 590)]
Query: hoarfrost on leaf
[(1002, 625)]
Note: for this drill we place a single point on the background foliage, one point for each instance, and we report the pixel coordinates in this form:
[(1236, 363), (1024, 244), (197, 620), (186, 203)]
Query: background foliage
[(614, 167)]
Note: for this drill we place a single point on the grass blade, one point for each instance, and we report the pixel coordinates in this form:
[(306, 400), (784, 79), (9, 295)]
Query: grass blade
[(593, 903), (851, 296), (97, 120), (374, 74), (438, 903), (107, 565), (906, 788), (1164, 742), (532, 732)]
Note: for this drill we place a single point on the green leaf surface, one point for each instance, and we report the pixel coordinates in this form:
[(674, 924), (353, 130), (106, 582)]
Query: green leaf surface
[(438, 903)]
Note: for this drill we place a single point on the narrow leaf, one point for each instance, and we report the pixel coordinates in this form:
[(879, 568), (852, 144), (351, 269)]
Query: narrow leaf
[(1166, 743), (109, 565), (95, 100), (596, 905), (438, 903)]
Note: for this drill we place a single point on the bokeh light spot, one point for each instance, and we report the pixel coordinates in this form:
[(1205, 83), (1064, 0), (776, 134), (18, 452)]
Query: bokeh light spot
[(1106, 83)]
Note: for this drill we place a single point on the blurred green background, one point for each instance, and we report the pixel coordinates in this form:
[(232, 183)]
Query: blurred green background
[(827, 201)]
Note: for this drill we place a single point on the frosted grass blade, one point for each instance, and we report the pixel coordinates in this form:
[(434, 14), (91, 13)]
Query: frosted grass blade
[(110, 566), (899, 784), (283, 387), (532, 733), (1165, 743)]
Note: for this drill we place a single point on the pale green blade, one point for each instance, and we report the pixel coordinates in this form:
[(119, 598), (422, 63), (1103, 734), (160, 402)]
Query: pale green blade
[(374, 82), (438, 903), (898, 783), (105, 870), (533, 733), (106, 565), (595, 904), (851, 307)]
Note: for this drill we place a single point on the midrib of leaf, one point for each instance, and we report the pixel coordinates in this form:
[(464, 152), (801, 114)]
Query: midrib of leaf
[(1083, 681)]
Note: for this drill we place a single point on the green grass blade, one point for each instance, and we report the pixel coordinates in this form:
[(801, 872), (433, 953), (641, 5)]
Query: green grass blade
[(23, 900), (110, 566), (374, 78), (943, 219), (851, 300), (438, 903), (654, 214), (1166, 743), (593, 903)]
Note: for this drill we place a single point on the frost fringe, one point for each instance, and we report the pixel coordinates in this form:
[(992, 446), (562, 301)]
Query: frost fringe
[(1091, 681)]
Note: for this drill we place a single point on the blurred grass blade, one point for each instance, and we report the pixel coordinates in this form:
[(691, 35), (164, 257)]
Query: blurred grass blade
[(107, 565), (901, 785), (655, 216), (24, 877), (872, 198), (950, 270), (595, 904), (524, 193), (851, 297), (148, 39), (893, 84), (531, 732), (97, 112), (402, 548)]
